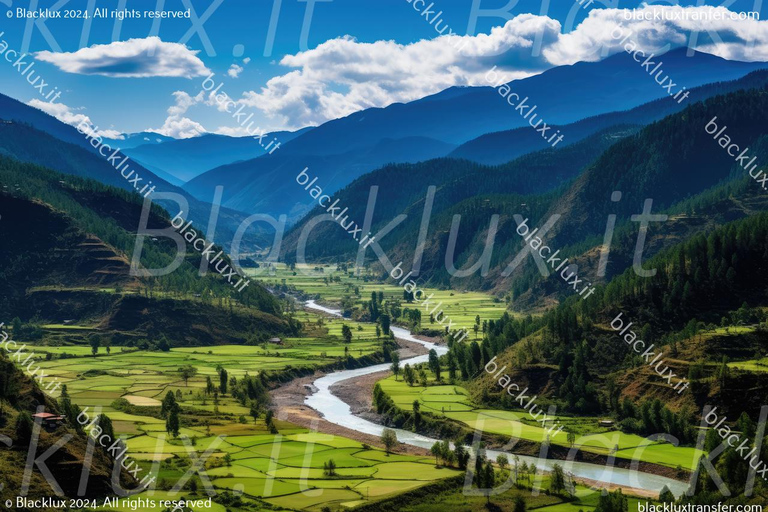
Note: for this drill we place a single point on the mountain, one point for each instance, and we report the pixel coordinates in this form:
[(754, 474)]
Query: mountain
[(267, 184), (31, 135), (184, 159), (667, 162), (674, 162), (77, 266), (455, 181), (457, 115), (131, 140), (500, 147), (534, 173), (341, 150)]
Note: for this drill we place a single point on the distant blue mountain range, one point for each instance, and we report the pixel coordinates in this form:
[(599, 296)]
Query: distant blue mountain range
[(342, 150), (589, 94)]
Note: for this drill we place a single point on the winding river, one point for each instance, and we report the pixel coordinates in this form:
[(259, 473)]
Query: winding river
[(336, 411)]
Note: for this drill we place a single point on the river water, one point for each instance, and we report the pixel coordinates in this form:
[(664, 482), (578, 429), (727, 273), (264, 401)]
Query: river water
[(336, 411)]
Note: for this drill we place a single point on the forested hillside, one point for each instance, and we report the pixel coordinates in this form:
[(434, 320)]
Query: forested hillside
[(76, 264), (708, 282), (29, 135), (501, 147), (403, 188), (20, 398)]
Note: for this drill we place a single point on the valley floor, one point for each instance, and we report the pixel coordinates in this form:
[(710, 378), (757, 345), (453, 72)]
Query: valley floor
[(283, 469)]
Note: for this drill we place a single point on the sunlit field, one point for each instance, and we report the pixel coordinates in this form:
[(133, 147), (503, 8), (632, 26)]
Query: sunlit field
[(320, 282), (454, 402)]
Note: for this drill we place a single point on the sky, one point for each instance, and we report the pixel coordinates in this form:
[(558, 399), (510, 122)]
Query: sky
[(296, 63)]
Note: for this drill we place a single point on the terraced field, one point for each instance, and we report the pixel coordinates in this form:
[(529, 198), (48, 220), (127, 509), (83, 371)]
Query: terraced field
[(286, 469), (97, 381), (454, 402), (460, 307)]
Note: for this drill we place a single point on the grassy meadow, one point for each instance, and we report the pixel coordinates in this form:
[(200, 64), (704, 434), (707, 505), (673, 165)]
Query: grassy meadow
[(252, 468), (454, 402)]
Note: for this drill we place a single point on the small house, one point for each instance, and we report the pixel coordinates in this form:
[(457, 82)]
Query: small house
[(49, 421), (605, 423), (276, 341)]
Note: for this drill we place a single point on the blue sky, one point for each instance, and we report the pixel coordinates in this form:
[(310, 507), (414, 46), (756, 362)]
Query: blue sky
[(324, 83)]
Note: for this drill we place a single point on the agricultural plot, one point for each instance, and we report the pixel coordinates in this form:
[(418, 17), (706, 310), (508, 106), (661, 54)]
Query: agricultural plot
[(584, 498), (453, 402), (320, 281), (285, 469), (752, 365), (144, 377)]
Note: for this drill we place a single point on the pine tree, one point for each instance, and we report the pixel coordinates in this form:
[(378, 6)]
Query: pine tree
[(172, 422)]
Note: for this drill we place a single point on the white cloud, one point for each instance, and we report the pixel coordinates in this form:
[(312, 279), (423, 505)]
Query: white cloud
[(178, 126), (246, 60), (699, 27), (342, 75), (234, 70), (134, 58), (183, 102), (66, 115), (232, 131)]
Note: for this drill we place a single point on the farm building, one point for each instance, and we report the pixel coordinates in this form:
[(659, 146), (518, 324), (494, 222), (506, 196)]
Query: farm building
[(48, 420)]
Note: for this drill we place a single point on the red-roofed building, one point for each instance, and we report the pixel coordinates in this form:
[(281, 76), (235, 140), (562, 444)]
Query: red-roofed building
[(48, 420)]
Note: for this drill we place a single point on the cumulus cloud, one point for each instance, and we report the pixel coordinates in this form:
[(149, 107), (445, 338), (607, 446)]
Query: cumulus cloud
[(134, 58), (342, 75), (234, 70), (657, 29), (69, 116), (178, 126)]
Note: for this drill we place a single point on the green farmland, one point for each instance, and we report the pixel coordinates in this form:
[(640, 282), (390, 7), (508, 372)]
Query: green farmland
[(284, 470), (460, 307), (454, 402)]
